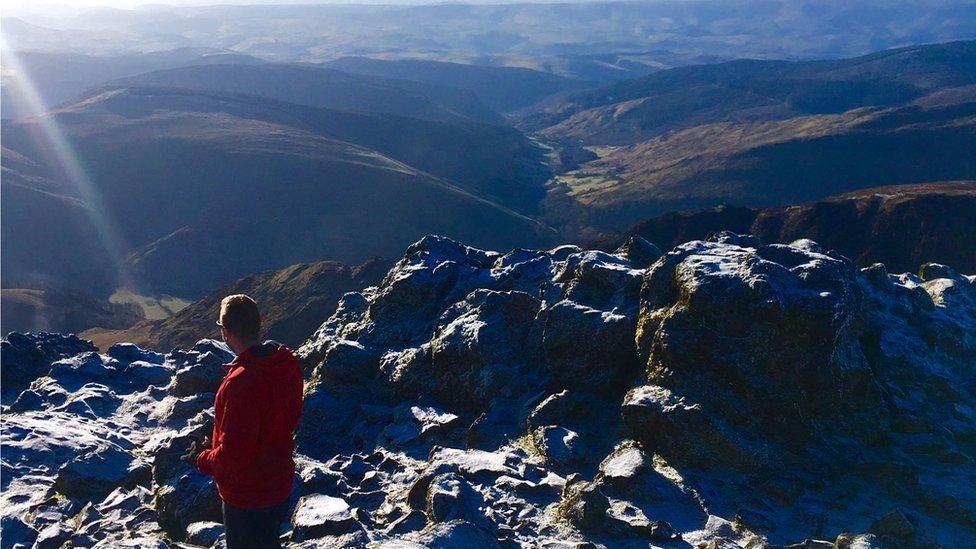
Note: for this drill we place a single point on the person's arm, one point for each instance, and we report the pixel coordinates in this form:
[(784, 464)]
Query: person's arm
[(241, 423)]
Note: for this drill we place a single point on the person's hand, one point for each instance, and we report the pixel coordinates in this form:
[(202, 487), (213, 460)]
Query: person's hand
[(194, 450)]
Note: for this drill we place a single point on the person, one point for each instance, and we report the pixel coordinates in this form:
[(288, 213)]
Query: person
[(256, 411)]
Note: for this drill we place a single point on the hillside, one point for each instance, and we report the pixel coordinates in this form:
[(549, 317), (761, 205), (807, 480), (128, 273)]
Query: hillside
[(501, 88), (58, 77), (326, 88), (768, 163), (191, 186), (60, 310), (755, 91), (293, 302), (728, 394), (901, 226)]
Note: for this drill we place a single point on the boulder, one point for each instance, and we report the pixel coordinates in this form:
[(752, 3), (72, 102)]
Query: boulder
[(184, 500), (201, 376), (584, 505), (603, 363), (127, 353), (318, 515), (561, 446), (204, 534), (94, 475)]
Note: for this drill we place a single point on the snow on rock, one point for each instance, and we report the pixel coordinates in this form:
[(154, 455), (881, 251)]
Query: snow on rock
[(319, 515), (723, 394)]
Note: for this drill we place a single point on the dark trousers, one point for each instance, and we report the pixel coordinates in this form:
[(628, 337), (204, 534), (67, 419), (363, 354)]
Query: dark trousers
[(254, 528)]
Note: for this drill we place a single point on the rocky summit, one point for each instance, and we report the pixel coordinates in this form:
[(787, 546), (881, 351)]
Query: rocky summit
[(723, 394)]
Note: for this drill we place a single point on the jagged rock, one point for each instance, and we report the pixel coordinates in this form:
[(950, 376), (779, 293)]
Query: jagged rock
[(584, 505), (205, 534), (857, 541), (26, 357), (621, 468), (95, 474), (639, 251), (318, 515), (190, 497), (127, 353), (16, 531), (778, 387), (450, 497), (202, 376), (446, 535), (72, 373), (561, 446), (603, 363)]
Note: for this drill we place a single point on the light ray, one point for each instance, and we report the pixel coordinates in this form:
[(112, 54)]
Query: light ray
[(52, 140)]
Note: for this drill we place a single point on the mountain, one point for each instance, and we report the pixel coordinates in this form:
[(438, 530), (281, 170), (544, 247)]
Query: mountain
[(58, 77), (187, 191), (779, 29), (768, 163), (293, 302), (61, 310), (501, 88), (753, 91), (902, 226), (327, 88), (725, 394)]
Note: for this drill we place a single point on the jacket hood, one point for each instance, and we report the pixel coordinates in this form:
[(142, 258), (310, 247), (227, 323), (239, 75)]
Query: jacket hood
[(267, 353)]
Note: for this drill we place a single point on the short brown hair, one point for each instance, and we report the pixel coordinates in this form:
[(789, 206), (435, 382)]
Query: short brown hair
[(239, 315)]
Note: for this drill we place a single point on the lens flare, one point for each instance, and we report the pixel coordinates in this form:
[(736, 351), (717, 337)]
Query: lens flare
[(51, 139)]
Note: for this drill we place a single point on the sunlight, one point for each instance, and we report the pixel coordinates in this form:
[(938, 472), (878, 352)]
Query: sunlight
[(53, 139)]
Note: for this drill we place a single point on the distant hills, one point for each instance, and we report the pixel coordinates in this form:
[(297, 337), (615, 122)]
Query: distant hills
[(752, 91), (758, 133), (327, 88), (203, 188), (901, 226), (501, 88), (58, 77), (293, 303)]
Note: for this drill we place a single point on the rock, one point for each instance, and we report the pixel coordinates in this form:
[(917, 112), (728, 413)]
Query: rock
[(450, 497), (621, 468), (202, 376), (318, 515), (894, 525), (95, 474), (141, 374), (185, 499), (25, 357), (15, 531), (584, 505), (457, 533), (73, 373), (605, 362), (639, 251), (127, 353), (624, 519), (205, 534), (857, 541), (561, 446), (349, 362)]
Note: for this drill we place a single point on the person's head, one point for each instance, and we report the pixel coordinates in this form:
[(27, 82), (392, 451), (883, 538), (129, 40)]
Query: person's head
[(240, 322)]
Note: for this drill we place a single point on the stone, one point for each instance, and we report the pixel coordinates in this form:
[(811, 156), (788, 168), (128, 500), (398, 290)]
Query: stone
[(857, 541), (127, 353), (205, 534), (184, 500), (620, 469), (203, 376), (450, 497), (561, 446), (28, 356), (318, 515), (95, 474), (584, 505), (639, 251)]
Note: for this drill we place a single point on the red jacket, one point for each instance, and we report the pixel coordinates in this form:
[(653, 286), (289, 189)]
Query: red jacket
[(256, 413)]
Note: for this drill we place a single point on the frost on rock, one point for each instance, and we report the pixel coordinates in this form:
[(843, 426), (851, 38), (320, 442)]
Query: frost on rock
[(723, 394)]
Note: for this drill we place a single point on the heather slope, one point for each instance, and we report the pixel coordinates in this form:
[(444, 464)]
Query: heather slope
[(193, 185)]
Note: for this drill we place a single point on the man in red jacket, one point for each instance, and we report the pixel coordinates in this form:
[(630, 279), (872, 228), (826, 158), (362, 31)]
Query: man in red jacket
[(256, 412)]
